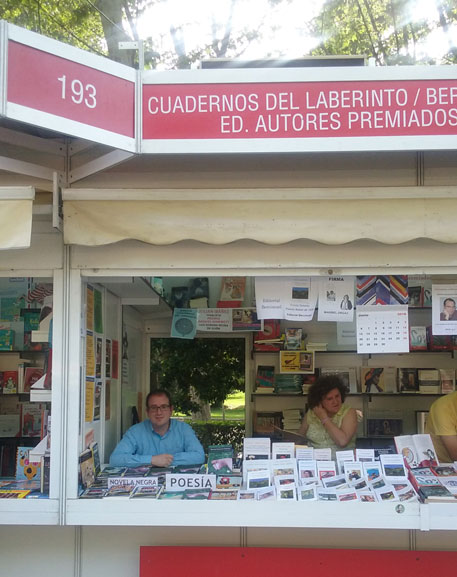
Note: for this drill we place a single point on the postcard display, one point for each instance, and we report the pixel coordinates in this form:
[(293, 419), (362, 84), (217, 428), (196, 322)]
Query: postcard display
[(392, 391)]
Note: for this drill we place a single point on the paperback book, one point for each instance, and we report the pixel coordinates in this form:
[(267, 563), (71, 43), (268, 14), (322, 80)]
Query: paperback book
[(416, 450)]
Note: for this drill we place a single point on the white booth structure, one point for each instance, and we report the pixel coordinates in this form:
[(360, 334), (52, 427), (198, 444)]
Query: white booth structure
[(109, 176)]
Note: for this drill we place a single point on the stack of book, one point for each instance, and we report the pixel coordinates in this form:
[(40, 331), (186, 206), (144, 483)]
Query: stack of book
[(288, 384), (265, 379), (291, 419), (429, 381), (447, 378), (310, 346)]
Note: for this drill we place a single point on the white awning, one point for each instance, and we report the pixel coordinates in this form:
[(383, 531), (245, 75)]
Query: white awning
[(16, 204), (391, 215)]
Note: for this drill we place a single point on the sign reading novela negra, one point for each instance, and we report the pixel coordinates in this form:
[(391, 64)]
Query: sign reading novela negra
[(133, 481)]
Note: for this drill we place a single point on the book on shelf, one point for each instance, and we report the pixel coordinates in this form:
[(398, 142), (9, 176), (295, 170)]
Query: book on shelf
[(347, 374), (438, 342), (407, 381), (270, 338), (265, 379), (87, 468), (179, 297), (232, 288), (30, 376), (146, 492), (308, 380), (220, 459), (417, 338), (198, 288), (436, 494), (6, 339), (415, 296), (316, 346), (372, 379), (385, 427), (45, 473), (293, 339), (26, 469), (266, 423), (429, 486), (417, 450), (288, 384), (429, 381), (421, 421), (10, 381), (447, 380), (291, 419), (32, 416), (200, 303), (229, 304)]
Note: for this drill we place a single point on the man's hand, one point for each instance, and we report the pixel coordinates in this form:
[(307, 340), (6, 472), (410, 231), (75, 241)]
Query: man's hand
[(163, 460)]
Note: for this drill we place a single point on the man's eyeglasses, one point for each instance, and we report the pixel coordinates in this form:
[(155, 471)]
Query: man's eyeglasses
[(157, 408)]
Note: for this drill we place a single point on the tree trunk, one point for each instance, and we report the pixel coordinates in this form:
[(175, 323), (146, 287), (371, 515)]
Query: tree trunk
[(204, 412), (111, 19)]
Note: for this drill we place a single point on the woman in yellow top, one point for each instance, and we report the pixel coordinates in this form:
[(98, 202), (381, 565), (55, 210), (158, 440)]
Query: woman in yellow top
[(328, 421)]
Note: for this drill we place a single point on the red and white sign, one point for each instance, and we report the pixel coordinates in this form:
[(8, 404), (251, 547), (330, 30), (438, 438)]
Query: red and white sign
[(68, 90), (320, 114), (265, 561)]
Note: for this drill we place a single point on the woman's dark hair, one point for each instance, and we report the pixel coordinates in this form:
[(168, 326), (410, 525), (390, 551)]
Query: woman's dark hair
[(322, 387), (155, 392)]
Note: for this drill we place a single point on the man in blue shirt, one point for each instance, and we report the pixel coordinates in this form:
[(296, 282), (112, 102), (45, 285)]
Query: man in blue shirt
[(159, 440)]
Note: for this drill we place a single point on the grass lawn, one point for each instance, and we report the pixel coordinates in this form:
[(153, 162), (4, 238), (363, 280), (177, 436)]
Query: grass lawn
[(234, 408)]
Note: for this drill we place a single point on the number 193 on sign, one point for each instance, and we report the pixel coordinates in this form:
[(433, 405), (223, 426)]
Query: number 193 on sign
[(78, 92)]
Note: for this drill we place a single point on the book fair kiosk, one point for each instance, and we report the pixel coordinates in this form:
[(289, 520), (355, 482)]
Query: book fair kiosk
[(110, 177)]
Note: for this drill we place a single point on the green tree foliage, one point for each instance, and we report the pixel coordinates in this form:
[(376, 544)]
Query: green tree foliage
[(211, 368), (74, 22), (390, 31)]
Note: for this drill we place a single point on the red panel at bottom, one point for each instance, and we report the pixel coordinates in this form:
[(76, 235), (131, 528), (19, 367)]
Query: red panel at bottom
[(266, 562)]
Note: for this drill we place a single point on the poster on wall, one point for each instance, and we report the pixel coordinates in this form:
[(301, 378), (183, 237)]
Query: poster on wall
[(444, 312), (296, 362), (214, 320), (184, 323), (290, 298), (98, 312), (97, 400), (90, 355), (382, 329), (115, 359), (382, 290), (336, 299), (89, 308), (245, 319), (107, 400), (107, 358), (90, 393), (98, 357)]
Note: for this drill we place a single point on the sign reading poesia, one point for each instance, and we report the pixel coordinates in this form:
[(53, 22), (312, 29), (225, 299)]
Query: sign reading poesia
[(300, 109)]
